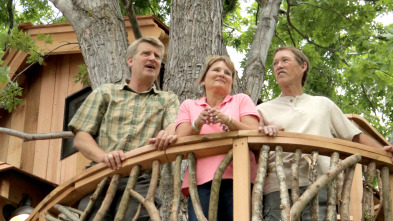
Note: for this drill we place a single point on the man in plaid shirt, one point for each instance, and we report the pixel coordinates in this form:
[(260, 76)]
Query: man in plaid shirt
[(116, 118)]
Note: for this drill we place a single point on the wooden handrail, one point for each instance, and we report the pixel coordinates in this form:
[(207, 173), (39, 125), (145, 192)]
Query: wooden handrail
[(207, 145)]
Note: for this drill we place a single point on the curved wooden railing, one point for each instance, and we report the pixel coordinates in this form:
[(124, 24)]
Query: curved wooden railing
[(240, 142)]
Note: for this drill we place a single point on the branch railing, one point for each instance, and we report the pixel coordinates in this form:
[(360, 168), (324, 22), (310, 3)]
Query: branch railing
[(344, 156)]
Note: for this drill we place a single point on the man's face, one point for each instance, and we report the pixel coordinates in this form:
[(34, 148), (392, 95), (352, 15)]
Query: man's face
[(146, 63), (287, 70)]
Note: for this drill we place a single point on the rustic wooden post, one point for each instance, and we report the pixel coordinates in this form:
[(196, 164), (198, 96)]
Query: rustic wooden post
[(241, 180)]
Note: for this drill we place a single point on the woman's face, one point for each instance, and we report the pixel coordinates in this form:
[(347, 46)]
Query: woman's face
[(218, 77)]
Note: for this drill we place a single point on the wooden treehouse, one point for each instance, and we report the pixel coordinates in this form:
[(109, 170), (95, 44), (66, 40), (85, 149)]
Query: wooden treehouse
[(37, 167), (56, 183)]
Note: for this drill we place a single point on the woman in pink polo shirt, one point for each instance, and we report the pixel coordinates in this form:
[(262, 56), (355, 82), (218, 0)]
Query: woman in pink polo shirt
[(216, 112)]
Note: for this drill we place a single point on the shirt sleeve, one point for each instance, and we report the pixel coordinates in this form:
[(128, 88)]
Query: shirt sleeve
[(89, 115), (341, 127), (247, 107), (171, 110), (184, 114)]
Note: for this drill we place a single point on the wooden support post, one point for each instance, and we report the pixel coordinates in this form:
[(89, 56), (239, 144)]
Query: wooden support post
[(355, 205), (241, 180)]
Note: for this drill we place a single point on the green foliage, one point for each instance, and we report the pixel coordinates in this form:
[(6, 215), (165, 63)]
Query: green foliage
[(160, 8), (36, 12), (9, 96), (82, 76), (4, 70), (350, 55)]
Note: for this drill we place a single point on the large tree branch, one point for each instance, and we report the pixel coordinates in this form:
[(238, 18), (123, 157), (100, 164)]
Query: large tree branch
[(255, 65), (368, 99), (10, 15), (287, 26), (41, 136), (128, 6)]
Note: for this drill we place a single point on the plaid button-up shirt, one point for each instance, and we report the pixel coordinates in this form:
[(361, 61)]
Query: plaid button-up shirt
[(121, 119)]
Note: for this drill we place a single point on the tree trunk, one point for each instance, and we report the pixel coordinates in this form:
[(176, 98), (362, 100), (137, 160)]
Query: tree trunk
[(254, 72), (101, 33), (196, 32)]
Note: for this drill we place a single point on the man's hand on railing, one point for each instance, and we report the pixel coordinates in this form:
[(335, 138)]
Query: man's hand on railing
[(113, 159), (163, 140), (270, 130)]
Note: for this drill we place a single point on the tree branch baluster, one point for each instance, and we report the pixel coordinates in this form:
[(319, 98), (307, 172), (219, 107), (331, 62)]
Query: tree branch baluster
[(193, 188), (110, 194), (380, 188), (313, 189), (257, 191), (126, 198), (346, 193), (148, 202), (295, 175), (90, 205), (368, 195), (284, 195), (332, 193), (176, 189), (387, 201), (64, 210), (313, 175), (216, 184)]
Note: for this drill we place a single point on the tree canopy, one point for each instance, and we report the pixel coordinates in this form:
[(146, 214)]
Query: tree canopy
[(350, 52)]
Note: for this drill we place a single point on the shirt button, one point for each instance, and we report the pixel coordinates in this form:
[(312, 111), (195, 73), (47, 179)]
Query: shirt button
[(291, 100)]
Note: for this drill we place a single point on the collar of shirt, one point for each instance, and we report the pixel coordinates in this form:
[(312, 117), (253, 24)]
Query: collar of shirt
[(125, 86), (202, 101)]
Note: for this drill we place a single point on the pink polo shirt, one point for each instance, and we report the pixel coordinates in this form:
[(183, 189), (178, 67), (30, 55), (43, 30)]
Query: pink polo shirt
[(236, 106)]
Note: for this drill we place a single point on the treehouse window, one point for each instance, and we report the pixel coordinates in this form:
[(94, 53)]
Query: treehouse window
[(72, 103)]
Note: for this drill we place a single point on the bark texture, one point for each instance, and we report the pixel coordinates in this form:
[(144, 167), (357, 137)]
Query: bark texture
[(99, 27), (196, 32), (254, 72)]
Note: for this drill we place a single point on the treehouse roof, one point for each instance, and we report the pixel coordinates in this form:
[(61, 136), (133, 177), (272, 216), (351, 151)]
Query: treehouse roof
[(63, 34)]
